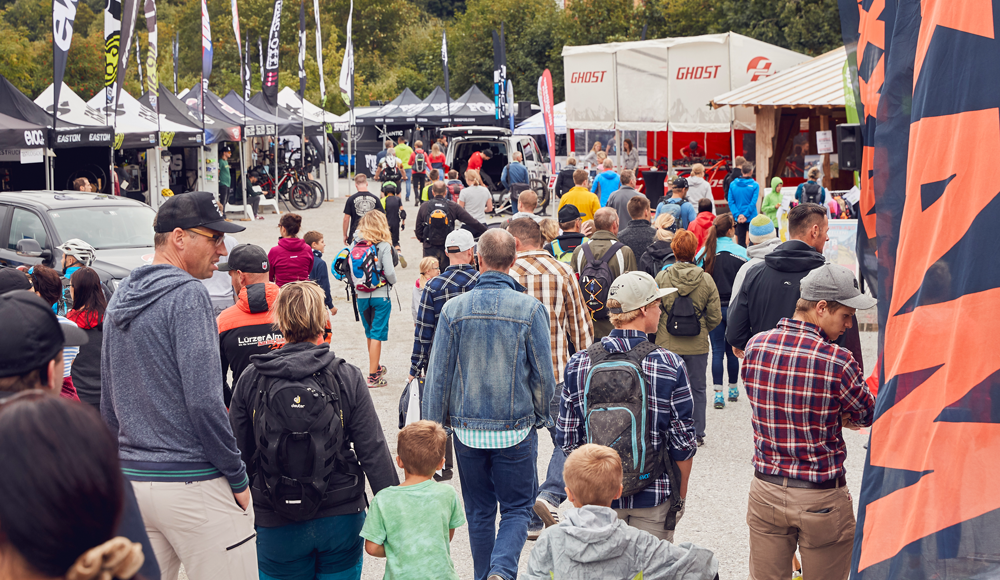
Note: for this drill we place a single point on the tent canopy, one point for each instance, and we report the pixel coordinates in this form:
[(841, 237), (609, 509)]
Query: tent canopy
[(289, 99), (678, 78), (815, 83), (473, 108), (15, 104), (72, 109), (311, 128), (14, 133), (216, 130), (214, 106), (535, 124), (137, 125), (394, 112), (258, 123)]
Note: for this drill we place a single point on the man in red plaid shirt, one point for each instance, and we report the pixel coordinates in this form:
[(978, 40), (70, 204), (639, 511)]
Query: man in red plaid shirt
[(803, 390)]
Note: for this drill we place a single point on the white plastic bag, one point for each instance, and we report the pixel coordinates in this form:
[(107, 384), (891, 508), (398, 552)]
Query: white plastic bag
[(413, 402)]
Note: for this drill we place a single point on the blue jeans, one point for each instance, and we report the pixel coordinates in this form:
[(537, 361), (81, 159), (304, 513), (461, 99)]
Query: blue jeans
[(321, 549), (553, 489), (492, 476), (409, 180), (721, 348)]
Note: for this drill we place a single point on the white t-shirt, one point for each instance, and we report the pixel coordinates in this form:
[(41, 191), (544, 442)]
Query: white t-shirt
[(475, 199), (220, 285)]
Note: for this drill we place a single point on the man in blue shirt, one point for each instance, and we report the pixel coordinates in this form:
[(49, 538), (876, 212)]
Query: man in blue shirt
[(515, 172), (678, 205), (742, 199)]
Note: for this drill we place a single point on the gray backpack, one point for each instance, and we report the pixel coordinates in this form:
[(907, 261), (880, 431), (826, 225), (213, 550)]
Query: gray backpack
[(616, 412)]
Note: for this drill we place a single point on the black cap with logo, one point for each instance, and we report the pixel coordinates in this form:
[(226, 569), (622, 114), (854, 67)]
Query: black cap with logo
[(32, 334), (192, 210), (246, 258), (568, 213)]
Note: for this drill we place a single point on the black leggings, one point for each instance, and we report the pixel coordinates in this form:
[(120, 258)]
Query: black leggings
[(419, 181), (741, 233)]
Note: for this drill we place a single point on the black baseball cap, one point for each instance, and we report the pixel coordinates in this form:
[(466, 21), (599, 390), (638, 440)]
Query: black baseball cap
[(13, 279), (32, 334), (192, 210), (680, 183), (568, 213), (247, 258)]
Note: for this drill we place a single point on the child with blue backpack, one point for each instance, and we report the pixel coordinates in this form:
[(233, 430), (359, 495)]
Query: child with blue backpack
[(372, 274)]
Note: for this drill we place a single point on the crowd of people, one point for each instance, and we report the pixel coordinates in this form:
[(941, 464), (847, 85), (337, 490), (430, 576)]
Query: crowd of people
[(601, 333)]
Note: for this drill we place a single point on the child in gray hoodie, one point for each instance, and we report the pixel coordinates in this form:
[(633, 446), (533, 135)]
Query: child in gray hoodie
[(592, 543)]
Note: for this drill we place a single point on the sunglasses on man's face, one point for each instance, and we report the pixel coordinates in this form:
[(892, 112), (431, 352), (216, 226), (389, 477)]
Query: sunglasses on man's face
[(216, 237)]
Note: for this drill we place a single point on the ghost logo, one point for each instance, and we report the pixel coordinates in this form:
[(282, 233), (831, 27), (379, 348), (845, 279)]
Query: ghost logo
[(759, 68)]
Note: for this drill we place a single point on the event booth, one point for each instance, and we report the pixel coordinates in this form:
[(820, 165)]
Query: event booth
[(678, 77)]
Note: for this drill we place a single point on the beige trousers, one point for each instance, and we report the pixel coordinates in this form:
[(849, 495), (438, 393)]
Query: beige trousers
[(819, 521), (651, 519), (198, 524)]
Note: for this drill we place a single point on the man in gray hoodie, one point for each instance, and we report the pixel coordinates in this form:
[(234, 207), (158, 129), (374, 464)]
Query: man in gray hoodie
[(159, 394)]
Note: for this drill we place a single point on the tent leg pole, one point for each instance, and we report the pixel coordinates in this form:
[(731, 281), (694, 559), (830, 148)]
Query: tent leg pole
[(243, 180), (670, 152)]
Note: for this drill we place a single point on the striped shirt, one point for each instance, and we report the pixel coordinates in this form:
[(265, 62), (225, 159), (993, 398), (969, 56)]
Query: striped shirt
[(554, 284), (478, 439), (70, 352)]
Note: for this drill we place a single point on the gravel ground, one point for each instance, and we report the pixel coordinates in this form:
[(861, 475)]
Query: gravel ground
[(715, 515)]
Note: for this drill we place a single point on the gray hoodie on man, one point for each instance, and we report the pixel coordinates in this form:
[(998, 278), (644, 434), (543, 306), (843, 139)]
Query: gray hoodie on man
[(160, 378), (591, 543)]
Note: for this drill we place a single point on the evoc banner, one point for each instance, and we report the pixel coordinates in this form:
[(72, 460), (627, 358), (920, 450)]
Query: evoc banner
[(270, 87), (63, 15), (929, 506)]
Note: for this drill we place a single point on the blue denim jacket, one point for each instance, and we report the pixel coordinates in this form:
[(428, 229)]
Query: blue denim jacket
[(491, 363)]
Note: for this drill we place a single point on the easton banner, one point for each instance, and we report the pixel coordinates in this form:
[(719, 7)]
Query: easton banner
[(270, 88), (929, 506), (63, 15)]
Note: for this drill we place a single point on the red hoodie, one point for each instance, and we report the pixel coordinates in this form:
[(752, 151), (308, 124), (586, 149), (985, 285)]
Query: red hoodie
[(700, 226), (291, 260)]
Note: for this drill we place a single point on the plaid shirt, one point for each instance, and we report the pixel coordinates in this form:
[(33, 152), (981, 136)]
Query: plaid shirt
[(453, 281), (670, 408), (798, 384), (554, 284)]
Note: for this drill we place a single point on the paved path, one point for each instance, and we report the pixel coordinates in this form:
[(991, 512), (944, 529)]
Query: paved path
[(715, 515)]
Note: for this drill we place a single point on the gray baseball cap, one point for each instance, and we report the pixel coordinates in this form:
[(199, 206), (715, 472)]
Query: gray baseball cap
[(635, 290), (835, 284), (458, 241)]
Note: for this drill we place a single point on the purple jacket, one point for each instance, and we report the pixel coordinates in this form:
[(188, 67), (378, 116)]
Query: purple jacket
[(291, 260)]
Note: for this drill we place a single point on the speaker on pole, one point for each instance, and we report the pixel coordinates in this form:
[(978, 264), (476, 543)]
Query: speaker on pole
[(849, 146)]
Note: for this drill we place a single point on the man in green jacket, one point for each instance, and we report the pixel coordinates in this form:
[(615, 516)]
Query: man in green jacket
[(604, 238), (403, 152)]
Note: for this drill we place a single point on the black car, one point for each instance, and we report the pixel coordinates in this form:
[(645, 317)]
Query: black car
[(34, 223)]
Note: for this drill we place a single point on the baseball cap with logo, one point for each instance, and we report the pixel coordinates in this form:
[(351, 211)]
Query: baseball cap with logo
[(459, 241), (32, 334), (680, 183), (192, 210), (835, 284), (246, 258), (635, 290)]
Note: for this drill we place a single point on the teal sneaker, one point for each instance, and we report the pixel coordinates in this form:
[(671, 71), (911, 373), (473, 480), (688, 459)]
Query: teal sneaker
[(720, 401), (734, 394)]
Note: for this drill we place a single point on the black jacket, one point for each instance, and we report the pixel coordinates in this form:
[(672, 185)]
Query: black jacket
[(458, 213), (361, 425), (638, 235), (724, 272), (564, 181), (770, 291), (735, 174), (657, 255), (567, 243)]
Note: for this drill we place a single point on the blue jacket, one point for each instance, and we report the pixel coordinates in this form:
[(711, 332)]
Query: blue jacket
[(742, 198), (514, 173), (321, 276), (491, 362), (609, 182)]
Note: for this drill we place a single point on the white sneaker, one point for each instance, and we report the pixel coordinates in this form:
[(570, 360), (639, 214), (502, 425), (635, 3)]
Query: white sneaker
[(548, 512)]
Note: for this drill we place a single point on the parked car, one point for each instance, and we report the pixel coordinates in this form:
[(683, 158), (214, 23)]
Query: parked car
[(464, 141), (34, 223)]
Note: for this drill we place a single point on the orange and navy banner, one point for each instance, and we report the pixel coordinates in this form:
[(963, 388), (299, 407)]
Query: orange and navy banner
[(929, 79)]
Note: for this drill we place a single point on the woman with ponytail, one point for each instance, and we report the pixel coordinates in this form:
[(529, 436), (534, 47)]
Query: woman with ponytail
[(722, 258)]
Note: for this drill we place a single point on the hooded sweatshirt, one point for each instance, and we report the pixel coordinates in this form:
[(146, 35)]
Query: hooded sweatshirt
[(771, 199), (743, 198), (245, 329), (593, 544), (700, 226), (658, 255), (361, 425), (690, 280), (699, 189), (291, 260), (769, 291), (756, 254), (160, 378), (605, 184)]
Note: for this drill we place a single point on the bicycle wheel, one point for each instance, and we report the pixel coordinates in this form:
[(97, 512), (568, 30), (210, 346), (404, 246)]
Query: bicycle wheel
[(320, 193), (301, 196)]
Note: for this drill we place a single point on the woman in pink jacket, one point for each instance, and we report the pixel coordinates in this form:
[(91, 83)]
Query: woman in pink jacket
[(292, 259)]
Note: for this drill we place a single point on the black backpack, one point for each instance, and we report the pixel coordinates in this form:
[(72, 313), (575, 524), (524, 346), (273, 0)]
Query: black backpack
[(616, 413), (440, 222), (298, 427), (596, 279), (812, 192), (391, 173), (682, 320)]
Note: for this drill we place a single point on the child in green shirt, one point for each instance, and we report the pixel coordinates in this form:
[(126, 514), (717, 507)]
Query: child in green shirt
[(412, 524)]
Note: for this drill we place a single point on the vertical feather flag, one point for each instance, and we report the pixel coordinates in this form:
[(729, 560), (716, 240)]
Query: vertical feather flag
[(139, 63), (319, 56), (270, 87), (546, 101), (302, 53), (447, 81), (347, 68), (112, 43), (246, 70), (206, 56), (236, 31), (177, 57), (499, 74), (129, 8), (260, 61), (152, 78), (63, 16)]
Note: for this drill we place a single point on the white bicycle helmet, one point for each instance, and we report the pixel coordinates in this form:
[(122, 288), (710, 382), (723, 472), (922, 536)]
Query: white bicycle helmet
[(79, 249)]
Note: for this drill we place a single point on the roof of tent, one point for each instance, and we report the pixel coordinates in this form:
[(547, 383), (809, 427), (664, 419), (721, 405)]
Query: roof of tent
[(535, 124), (678, 77), (15, 104), (259, 123), (213, 106), (433, 110), (311, 128), (286, 127), (394, 112), (815, 83), (473, 108), (137, 124), (290, 100), (72, 109), (176, 110), (14, 133)]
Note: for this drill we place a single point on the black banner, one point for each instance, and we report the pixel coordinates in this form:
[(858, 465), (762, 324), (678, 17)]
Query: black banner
[(177, 56), (63, 15), (246, 70), (270, 88), (499, 74), (302, 52), (129, 8)]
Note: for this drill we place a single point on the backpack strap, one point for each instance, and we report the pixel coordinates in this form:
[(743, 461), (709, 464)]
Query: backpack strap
[(611, 253), (639, 352), (588, 254), (597, 353)]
